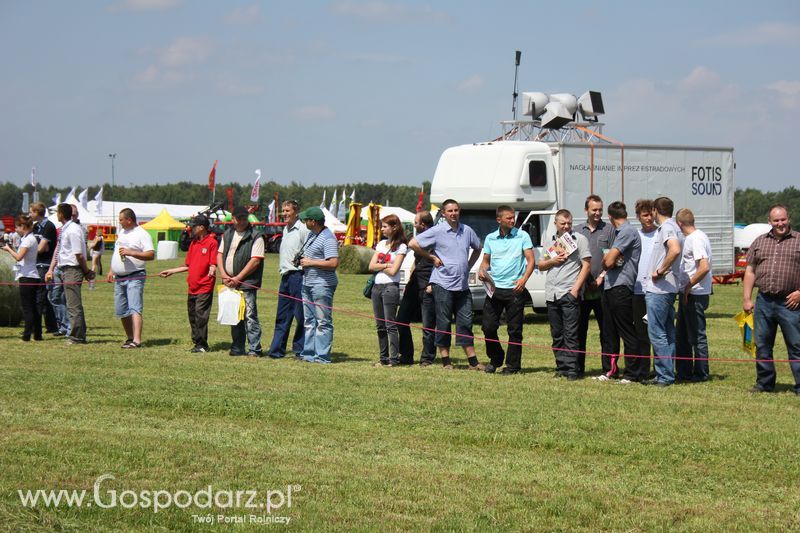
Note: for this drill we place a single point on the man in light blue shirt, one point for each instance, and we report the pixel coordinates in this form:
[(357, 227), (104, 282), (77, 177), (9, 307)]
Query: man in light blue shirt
[(450, 245), (507, 264)]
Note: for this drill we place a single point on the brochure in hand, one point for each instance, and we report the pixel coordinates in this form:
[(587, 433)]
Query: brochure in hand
[(565, 243)]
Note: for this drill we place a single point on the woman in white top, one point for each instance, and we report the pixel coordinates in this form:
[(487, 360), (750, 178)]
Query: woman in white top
[(27, 276), (386, 262)]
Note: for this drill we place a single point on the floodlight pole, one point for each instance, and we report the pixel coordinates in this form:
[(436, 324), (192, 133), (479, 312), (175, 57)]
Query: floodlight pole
[(516, 69), (113, 205)]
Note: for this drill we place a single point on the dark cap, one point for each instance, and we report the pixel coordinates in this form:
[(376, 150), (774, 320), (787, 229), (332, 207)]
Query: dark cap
[(312, 213), (240, 212), (200, 220)]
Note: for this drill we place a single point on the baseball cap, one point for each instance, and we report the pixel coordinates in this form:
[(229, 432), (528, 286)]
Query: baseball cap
[(312, 213), (240, 212), (200, 220)]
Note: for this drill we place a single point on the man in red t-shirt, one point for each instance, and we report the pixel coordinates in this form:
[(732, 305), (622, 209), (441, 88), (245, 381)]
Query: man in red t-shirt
[(201, 264)]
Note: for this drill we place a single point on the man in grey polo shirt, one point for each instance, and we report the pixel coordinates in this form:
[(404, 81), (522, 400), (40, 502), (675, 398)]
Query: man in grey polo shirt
[(661, 290), (600, 235), (290, 297), (566, 274), (620, 265), (451, 243)]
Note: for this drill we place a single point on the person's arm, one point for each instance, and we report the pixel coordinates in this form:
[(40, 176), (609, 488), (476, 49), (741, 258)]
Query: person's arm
[(374, 264), (586, 265), (323, 264), (673, 251), (18, 255), (87, 272), (146, 255), (251, 265), (221, 267), (44, 245), (748, 283), (422, 252), (530, 263), (170, 271), (610, 260), (49, 275), (547, 264), (390, 269), (483, 270)]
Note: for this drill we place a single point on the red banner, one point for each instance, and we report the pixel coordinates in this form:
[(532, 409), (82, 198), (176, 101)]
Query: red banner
[(421, 199), (212, 177), (229, 192)]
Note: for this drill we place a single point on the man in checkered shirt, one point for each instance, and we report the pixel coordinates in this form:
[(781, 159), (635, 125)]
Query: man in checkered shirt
[(773, 265)]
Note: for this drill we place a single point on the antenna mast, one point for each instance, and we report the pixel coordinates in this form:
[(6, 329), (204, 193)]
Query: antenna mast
[(514, 101)]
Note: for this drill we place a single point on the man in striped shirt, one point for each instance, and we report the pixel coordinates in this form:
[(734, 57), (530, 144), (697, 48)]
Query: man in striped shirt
[(773, 265)]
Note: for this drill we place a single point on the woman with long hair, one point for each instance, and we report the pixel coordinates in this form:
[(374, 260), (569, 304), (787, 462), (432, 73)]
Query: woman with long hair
[(27, 276), (385, 263)]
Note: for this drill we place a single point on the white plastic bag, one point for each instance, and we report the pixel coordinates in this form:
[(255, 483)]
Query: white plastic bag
[(230, 302)]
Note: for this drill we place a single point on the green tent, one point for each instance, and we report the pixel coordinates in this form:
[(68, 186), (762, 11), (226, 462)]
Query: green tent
[(164, 228)]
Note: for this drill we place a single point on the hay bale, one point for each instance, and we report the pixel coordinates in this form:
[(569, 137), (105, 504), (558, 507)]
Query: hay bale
[(10, 305), (354, 259)]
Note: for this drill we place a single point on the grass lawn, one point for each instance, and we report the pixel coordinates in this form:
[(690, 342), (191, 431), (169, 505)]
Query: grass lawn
[(374, 448)]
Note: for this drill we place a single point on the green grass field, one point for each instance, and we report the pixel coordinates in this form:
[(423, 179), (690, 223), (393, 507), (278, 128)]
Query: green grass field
[(374, 448)]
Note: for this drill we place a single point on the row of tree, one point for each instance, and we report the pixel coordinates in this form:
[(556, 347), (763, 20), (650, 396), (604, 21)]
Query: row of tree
[(405, 196), (750, 205)]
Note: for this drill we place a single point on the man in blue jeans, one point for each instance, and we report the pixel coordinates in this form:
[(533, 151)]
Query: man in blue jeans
[(691, 341), (661, 290), (319, 262), (773, 267), (240, 262), (290, 303), (451, 243)]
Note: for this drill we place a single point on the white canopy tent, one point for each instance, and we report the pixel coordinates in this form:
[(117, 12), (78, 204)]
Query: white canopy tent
[(744, 237), (332, 222), (110, 211), (403, 214)]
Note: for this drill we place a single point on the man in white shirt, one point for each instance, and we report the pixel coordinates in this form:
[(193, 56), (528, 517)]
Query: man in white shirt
[(690, 336), (133, 247), (71, 260)]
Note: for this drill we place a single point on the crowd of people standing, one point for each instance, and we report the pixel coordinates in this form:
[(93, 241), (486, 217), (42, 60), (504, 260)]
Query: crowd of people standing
[(629, 279)]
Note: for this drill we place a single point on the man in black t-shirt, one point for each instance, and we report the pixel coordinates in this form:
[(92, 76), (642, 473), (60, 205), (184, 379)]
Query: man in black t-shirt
[(418, 299), (46, 235)]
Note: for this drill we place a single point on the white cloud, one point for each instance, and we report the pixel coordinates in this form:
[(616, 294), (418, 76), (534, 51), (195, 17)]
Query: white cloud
[(788, 93), (147, 5), (763, 34), (382, 11), (314, 112), (154, 77), (237, 88), (474, 82), (244, 15), (700, 78), (185, 51)]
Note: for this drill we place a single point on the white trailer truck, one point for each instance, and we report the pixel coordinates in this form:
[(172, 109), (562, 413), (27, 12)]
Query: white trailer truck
[(539, 171)]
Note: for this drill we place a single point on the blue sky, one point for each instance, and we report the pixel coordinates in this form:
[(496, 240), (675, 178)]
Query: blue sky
[(348, 90)]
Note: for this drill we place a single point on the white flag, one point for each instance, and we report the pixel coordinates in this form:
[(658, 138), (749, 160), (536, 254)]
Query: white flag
[(33, 177), (322, 204), (25, 202), (342, 213), (57, 199), (271, 215), (70, 194), (353, 196), (256, 187), (332, 207), (83, 198), (98, 198)]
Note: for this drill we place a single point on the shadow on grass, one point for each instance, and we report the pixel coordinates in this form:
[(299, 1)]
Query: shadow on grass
[(157, 342), (339, 357)]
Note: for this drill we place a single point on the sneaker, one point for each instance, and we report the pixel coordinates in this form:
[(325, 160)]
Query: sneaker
[(757, 390), (572, 377), (490, 369), (480, 367), (69, 341), (602, 377), (381, 364), (624, 381), (425, 364), (254, 353), (316, 359), (448, 367), (59, 334), (509, 371), (197, 349), (656, 383), (235, 354)]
